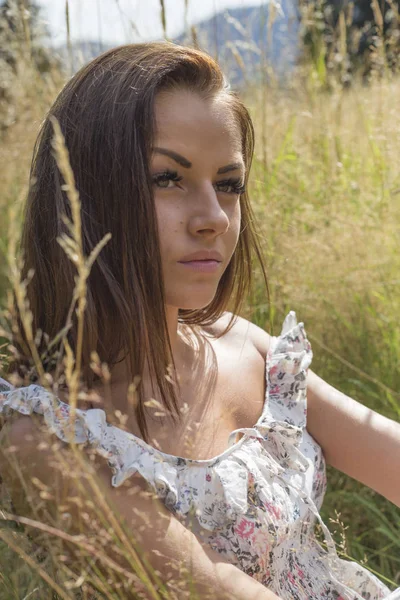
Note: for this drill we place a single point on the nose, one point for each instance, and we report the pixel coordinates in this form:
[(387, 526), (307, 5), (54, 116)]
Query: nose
[(208, 216)]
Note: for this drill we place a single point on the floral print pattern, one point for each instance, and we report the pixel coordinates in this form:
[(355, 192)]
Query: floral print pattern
[(258, 502)]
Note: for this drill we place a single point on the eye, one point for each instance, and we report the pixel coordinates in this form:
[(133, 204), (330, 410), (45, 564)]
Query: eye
[(165, 177), (229, 186), (234, 186)]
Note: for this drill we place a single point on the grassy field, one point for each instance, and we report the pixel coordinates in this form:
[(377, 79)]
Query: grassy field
[(326, 193), (326, 190)]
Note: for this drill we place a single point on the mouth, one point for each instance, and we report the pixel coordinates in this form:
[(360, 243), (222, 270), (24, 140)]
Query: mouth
[(203, 266)]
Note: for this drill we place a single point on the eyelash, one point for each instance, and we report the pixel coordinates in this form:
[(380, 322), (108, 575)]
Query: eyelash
[(235, 183)]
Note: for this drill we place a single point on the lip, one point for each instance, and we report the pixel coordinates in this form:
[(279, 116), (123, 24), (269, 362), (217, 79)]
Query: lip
[(202, 266), (202, 255)]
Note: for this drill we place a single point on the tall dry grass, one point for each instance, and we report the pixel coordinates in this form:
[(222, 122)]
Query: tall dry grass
[(325, 186), (328, 203)]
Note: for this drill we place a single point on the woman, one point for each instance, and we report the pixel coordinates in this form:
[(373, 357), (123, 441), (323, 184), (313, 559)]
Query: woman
[(161, 151)]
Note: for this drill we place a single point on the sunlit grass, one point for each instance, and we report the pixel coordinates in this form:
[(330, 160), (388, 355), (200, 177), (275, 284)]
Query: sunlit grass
[(327, 202)]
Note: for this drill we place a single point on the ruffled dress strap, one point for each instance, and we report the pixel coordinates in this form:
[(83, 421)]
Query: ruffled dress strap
[(36, 399), (284, 415), (120, 448)]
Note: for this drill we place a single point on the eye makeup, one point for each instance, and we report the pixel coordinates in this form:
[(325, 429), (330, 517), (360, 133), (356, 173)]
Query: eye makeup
[(235, 184)]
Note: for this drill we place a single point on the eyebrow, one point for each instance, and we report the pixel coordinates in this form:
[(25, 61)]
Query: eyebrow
[(187, 164)]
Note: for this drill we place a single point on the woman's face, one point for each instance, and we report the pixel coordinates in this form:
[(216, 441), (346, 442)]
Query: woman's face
[(196, 191)]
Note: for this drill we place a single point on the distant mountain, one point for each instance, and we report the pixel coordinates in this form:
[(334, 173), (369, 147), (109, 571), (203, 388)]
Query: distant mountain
[(244, 40)]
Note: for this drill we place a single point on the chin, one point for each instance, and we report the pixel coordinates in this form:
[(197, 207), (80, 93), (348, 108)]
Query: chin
[(191, 303), (194, 305)]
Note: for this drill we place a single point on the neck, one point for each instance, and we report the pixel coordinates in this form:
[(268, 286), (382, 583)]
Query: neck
[(185, 345)]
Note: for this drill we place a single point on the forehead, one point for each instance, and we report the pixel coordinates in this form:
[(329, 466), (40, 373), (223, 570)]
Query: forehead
[(184, 118)]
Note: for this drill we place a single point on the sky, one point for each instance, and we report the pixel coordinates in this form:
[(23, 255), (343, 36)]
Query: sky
[(128, 21)]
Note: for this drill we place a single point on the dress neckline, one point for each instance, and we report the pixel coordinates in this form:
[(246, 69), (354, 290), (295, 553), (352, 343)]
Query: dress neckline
[(180, 460)]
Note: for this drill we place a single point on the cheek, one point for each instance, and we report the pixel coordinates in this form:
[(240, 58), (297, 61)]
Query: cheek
[(167, 214), (170, 222)]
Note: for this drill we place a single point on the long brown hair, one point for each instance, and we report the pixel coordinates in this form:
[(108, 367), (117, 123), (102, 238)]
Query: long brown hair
[(106, 114)]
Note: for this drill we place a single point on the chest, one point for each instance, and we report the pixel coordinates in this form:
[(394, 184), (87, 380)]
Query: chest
[(216, 399), (222, 391)]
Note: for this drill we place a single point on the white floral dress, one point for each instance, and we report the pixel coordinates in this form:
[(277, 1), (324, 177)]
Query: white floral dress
[(258, 502)]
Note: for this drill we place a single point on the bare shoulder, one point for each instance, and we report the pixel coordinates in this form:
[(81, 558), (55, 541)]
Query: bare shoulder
[(243, 329), (32, 458), (19, 431), (21, 459), (27, 440)]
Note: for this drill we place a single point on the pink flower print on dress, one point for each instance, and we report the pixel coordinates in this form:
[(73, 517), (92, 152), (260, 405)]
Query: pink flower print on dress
[(275, 389), (261, 545), (300, 572), (273, 371), (64, 409), (275, 510), (245, 528)]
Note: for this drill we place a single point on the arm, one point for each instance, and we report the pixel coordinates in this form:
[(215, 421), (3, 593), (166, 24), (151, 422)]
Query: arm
[(355, 439), (210, 572)]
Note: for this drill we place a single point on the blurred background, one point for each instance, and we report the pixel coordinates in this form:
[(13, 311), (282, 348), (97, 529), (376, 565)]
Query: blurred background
[(321, 80), (357, 35)]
